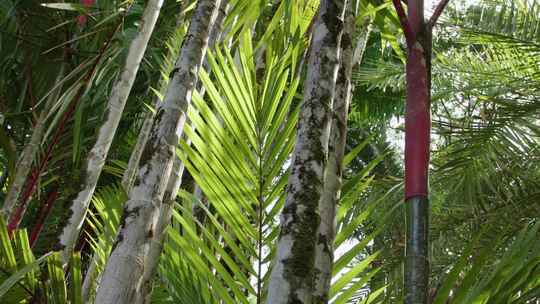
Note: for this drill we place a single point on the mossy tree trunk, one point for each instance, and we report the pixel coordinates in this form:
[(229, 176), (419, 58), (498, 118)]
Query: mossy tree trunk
[(293, 271), (122, 278), (113, 113), (324, 254), (175, 183)]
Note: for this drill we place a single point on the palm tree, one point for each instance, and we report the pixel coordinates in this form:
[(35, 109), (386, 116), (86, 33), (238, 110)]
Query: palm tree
[(293, 271), (115, 106), (123, 269), (220, 244), (324, 254), (417, 137)]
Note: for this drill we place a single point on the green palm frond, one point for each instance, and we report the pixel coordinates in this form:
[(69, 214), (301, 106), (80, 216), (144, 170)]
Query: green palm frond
[(250, 127), (103, 220), (24, 278), (500, 20), (242, 137), (512, 278)]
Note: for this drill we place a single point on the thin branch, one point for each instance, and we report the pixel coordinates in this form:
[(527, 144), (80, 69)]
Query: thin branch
[(409, 36), (437, 13)]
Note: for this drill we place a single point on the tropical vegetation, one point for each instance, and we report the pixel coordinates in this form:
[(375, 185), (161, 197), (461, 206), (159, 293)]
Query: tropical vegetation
[(262, 151)]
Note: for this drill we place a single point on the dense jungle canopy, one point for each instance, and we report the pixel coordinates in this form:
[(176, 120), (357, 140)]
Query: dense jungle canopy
[(266, 151)]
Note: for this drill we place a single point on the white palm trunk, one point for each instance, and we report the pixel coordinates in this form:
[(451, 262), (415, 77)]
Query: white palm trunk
[(293, 271), (122, 279), (135, 157), (24, 164), (324, 256), (156, 247), (92, 276), (175, 181), (115, 106), (361, 42)]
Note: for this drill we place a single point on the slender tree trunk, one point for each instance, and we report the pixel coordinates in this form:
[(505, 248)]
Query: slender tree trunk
[(136, 153), (122, 278), (175, 181), (324, 255), (135, 157), (156, 247), (293, 273), (97, 156), (24, 165), (361, 42), (92, 276), (417, 139), (44, 212)]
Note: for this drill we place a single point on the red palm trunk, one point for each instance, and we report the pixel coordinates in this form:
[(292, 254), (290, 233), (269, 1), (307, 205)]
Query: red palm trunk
[(16, 217), (417, 139), (43, 214)]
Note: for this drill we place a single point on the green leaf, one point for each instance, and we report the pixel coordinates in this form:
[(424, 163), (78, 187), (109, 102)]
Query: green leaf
[(347, 278), (20, 274), (8, 255), (67, 6), (76, 279), (57, 284)]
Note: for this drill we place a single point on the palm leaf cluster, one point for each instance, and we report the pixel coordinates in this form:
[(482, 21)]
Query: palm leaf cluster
[(238, 141)]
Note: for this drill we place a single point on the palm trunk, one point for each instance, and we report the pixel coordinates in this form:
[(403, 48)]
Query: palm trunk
[(417, 138), (135, 157), (96, 157), (122, 278), (92, 277), (156, 247), (361, 42), (44, 212), (293, 273), (175, 180), (324, 255), (136, 153), (24, 165)]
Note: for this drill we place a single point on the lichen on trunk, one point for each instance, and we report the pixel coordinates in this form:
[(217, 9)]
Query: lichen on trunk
[(293, 271), (324, 255), (122, 278), (115, 106)]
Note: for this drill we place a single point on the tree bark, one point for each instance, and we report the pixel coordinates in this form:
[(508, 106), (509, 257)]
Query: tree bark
[(175, 181), (293, 273), (122, 278), (324, 255), (133, 162), (418, 34), (156, 247), (97, 156), (92, 276), (135, 157), (417, 138)]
